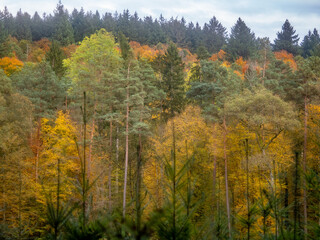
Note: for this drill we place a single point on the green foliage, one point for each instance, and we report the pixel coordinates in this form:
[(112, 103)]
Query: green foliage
[(241, 42), (63, 31), (40, 84), (55, 57), (310, 43), (287, 39), (173, 82), (212, 87), (215, 35)]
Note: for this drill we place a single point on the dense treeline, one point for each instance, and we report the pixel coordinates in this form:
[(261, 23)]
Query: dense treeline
[(68, 28), (115, 127)]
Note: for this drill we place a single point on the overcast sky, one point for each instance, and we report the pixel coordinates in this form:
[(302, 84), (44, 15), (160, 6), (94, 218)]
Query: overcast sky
[(264, 17)]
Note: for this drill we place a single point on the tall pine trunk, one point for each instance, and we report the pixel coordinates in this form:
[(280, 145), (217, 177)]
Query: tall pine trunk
[(84, 180), (226, 173), (110, 167), (304, 165), (127, 148)]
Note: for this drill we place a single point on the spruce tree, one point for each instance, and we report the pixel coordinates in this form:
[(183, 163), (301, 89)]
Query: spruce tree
[(214, 35), (23, 26), (241, 42), (63, 31), (172, 82), (310, 43), (287, 39)]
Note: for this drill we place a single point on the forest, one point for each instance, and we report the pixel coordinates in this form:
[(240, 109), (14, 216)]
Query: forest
[(119, 127)]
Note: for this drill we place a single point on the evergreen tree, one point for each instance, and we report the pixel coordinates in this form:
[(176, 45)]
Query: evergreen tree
[(8, 21), (241, 42), (40, 84), (23, 26), (215, 35), (310, 43), (172, 82), (79, 24), (15, 128), (55, 57), (287, 39), (63, 31), (37, 25)]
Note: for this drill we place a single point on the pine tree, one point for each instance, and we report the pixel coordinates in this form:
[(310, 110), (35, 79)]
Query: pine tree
[(287, 39)]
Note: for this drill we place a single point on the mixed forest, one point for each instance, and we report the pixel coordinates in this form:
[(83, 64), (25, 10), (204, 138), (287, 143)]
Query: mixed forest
[(119, 127)]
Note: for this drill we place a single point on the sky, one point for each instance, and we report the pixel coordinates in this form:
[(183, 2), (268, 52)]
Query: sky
[(264, 17)]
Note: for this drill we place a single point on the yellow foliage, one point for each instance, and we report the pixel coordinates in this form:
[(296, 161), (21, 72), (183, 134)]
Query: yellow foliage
[(58, 139), (10, 65), (193, 138)]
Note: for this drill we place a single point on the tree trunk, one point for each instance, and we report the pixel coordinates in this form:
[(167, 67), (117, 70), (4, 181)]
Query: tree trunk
[(138, 185), (305, 213), (20, 198), (174, 180), (127, 149), (84, 180), (91, 141), (38, 151), (248, 197), (110, 167), (296, 201), (117, 159), (226, 173)]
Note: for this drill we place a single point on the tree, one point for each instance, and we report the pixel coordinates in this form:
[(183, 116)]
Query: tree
[(95, 69), (215, 35), (40, 84), (211, 90), (310, 43), (63, 31), (15, 128), (172, 82), (287, 39), (55, 57), (10, 65), (23, 26), (37, 25), (241, 42)]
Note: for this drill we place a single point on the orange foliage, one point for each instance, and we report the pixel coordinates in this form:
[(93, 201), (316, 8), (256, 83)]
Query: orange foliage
[(39, 50), (187, 57), (286, 58), (44, 44), (243, 64), (10, 65), (145, 51), (68, 50), (221, 55), (241, 75)]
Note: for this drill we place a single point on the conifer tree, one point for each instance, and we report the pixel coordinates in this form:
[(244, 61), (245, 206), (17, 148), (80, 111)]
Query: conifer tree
[(63, 31), (215, 35), (287, 39), (241, 42), (310, 43), (172, 82)]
